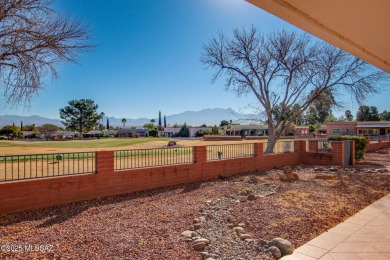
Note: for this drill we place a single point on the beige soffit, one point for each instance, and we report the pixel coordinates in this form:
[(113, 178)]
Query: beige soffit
[(360, 27)]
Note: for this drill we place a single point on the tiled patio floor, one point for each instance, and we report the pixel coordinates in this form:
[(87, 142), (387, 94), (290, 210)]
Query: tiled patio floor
[(365, 235)]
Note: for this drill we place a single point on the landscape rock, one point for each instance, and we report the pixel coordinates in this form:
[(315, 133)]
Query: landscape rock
[(243, 199), (171, 143), (202, 240), (252, 197), (288, 176), (284, 245), (275, 252), (196, 226), (263, 242), (333, 169), (382, 170), (245, 236), (188, 233), (239, 229), (198, 246)]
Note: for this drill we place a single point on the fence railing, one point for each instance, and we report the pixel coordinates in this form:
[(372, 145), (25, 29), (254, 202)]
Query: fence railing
[(385, 138), (228, 151), (281, 147), (374, 139), (142, 158), (321, 146), (20, 167)]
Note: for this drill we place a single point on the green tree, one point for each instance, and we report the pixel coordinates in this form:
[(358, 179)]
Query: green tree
[(184, 131), (385, 116), (34, 41), (165, 121), (159, 120), (321, 109), (102, 118), (108, 124), (80, 115), (124, 122), (348, 115), (21, 126), (48, 130), (215, 130), (11, 131), (29, 127), (223, 123), (153, 132), (285, 70), (367, 113)]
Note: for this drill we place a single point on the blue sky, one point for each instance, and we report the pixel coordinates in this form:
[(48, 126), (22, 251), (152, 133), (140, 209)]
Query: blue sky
[(147, 58)]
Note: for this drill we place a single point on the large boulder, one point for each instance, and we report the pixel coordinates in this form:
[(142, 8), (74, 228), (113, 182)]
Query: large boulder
[(171, 143), (284, 245), (275, 252)]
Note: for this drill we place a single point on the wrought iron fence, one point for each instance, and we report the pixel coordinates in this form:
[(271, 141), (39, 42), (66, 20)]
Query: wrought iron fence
[(20, 167), (281, 147), (227, 151), (322, 146), (385, 138), (142, 158), (374, 139)]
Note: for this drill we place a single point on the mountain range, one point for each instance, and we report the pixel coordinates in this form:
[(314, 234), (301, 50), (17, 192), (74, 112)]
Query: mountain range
[(208, 116)]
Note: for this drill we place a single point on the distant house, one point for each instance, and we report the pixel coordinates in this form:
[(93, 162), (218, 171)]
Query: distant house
[(246, 130), (172, 131), (132, 132), (67, 134), (359, 128)]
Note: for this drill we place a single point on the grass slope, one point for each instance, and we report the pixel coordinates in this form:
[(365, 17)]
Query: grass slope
[(97, 143)]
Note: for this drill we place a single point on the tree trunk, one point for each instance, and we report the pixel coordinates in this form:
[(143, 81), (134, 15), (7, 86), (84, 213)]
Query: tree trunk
[(271, 144), (273, 137)]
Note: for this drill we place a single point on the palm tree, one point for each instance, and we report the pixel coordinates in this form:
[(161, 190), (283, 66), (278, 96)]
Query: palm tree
[(124, 122), (101, 117)]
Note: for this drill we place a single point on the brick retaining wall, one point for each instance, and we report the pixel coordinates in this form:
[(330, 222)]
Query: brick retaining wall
[(38, 193)]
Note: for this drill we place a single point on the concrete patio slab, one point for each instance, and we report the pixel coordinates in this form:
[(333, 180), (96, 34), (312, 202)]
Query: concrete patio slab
[(363, 236)]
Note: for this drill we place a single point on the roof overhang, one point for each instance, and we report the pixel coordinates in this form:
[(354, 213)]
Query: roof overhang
[(374, 126), (359, 27)]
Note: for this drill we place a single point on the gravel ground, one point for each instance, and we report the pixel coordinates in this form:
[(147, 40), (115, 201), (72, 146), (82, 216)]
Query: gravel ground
[(147, 225)]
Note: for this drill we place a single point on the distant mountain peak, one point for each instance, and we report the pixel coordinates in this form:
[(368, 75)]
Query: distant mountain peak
[(208, 116)]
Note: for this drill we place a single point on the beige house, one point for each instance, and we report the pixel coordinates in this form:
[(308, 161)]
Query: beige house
[(172, 131), (246, 130), (371, 128)]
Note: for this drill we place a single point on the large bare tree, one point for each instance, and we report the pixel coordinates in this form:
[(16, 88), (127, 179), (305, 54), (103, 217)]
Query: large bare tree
[(33, 41), (286, 72)]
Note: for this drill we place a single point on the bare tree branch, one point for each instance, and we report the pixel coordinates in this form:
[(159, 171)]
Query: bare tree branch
[(287, 72), (33, 41)]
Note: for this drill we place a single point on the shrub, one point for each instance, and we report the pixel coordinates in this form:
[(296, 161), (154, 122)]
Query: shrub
[(201, 133), (3, 137), (312, 128), (360, 143), (153, 132), (184, 131)]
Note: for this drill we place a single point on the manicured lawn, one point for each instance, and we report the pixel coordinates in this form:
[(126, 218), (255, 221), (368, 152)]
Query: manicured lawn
[(97, 143)]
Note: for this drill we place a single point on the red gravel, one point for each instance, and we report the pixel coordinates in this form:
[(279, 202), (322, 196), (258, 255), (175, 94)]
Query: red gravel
[(147, 225)]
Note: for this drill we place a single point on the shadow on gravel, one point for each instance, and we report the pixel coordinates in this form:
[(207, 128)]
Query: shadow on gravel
[(191, 187), (60, 213)]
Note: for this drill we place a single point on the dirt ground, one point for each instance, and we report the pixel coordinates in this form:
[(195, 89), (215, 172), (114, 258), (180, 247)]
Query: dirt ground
[(147, 225)]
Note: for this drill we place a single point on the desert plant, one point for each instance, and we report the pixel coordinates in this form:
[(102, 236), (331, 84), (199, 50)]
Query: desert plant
[(360, 143)]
